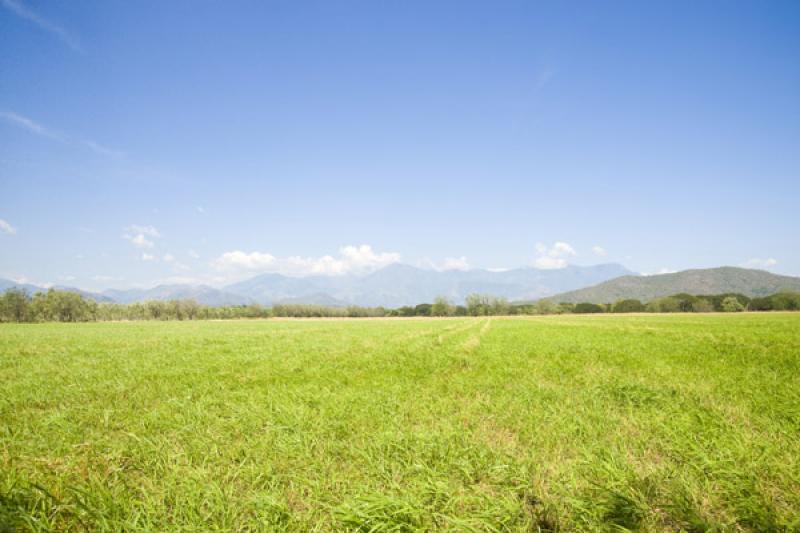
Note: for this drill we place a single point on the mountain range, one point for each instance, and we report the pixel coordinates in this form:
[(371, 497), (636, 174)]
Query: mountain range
[(398, 284), (698, 281), (392, 286)]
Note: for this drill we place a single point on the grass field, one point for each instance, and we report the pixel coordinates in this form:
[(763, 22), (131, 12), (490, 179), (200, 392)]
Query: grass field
[(654, 423)]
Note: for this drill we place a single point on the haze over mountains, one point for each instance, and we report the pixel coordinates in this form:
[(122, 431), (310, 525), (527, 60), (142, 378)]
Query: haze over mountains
[(392, 286), (398, 284)]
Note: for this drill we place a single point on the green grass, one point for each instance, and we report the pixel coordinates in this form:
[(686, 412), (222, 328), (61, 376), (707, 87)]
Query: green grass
[(654, 423)]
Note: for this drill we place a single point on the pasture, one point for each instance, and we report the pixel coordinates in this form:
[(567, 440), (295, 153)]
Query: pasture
[(653, 423)]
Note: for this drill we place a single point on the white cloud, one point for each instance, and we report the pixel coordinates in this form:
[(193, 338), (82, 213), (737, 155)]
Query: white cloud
[(760, 263), (138, 235), (661, 271), (238, 260), (23, 12), (7, 228), (66, 278), (23, 280), (147, 230), (193, 254), (455, 263), (448, 263), (549, 263), (148, 257), (599, 251), (352, 259), (553, 257), (498, 269), (363, 258), (140, 241)]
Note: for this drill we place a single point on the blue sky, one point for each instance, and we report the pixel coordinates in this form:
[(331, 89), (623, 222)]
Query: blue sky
[(209, 141)]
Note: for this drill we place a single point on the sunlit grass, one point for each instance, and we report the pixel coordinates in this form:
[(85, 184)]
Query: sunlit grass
[(550, 423)]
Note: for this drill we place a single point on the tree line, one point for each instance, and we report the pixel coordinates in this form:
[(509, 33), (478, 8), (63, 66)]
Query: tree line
[(676, 303), (65, 306)]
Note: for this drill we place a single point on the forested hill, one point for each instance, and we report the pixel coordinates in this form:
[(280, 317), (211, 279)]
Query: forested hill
[(701, 281)]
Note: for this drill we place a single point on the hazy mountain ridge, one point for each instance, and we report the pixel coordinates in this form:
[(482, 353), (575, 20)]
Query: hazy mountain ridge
[(202, 294), (398, 284), (696, 281), (30, 288), (392, 286)]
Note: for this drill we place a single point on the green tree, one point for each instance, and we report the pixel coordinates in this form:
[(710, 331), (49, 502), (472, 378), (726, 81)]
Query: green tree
[(546, 307), (731, 305), (566, 307), (586, 307), (785, 301), (628, 306), (685, 301), (478, 304), (668, 304), (442, 307), (14, 305), (406, 310), (702, 305), (422, 310)]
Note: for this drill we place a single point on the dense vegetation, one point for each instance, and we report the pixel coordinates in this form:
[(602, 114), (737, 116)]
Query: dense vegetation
[(64, 306), (684, 422)]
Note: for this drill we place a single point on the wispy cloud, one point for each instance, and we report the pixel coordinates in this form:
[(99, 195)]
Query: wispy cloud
[(659, 272), (36, 128), (760, 263), (147, 230), (141, 237), (455, 263), (107, 278), (449, 263), (599, 251), (24, 280), (7, 228), (103, 150), (554, 256), (22, 11), (31, 125)]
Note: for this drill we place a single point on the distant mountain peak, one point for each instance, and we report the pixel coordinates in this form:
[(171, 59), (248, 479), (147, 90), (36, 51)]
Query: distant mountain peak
[(749, 282)]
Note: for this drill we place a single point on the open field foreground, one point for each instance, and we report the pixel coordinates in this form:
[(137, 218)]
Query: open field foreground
[(653, 423)]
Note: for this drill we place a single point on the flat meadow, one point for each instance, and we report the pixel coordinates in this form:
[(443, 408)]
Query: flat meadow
[(558, 423)]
